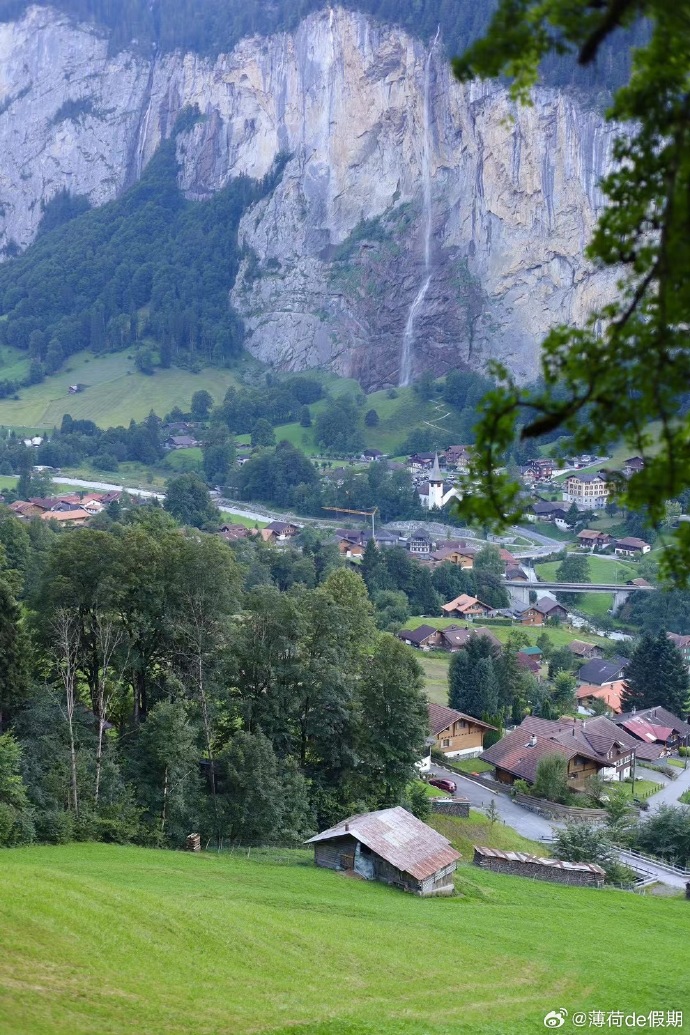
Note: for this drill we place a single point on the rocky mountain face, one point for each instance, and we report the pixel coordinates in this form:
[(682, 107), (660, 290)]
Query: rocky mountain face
[(419, 224)]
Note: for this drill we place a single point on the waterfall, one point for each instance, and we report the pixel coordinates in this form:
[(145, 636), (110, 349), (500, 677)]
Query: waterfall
[(408, 337)]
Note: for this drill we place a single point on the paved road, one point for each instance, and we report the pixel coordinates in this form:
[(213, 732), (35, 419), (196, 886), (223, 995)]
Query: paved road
[(671, 792), (526, 823), (536, 827)]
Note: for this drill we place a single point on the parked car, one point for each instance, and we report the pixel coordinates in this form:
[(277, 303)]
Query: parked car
[(444, 785)]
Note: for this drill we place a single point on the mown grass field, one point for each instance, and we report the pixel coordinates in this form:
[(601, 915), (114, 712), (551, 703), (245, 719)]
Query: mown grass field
[(435, 667), (116, 940), (116, 392)]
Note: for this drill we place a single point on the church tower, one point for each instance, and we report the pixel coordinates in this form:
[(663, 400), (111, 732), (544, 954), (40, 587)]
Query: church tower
[(435, 486)]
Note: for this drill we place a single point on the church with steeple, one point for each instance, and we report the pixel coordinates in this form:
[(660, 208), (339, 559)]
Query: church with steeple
[(435, 493)]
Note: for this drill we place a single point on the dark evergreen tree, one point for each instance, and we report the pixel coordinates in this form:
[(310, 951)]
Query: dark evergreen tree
[(656, 676)]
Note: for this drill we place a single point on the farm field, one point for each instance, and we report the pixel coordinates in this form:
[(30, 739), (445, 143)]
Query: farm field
[(127, 940)]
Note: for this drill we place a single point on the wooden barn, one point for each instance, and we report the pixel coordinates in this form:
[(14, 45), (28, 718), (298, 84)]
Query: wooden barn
[(392, 846)]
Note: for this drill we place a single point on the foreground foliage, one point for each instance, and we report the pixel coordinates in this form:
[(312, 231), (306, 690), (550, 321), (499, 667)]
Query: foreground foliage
[(629, 364)]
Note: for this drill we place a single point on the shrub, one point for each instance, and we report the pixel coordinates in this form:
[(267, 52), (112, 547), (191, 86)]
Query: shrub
[(55, 826)]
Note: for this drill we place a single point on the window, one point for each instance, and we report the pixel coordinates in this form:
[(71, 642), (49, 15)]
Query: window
[(445, 743)]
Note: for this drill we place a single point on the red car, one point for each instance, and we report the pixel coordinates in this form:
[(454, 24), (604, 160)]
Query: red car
[(444, 785)]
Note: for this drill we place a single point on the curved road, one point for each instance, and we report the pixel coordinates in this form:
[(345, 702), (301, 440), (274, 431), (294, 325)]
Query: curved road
[(537, 828)]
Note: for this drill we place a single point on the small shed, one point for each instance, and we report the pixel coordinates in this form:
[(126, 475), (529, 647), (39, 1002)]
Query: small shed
[(392, 846), (557, 871)]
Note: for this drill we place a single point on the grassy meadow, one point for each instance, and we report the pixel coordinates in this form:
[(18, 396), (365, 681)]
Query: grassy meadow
[(120, 940), (116, 392)]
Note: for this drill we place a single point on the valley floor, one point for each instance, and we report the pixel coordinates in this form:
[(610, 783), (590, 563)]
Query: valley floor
[(97, 938)]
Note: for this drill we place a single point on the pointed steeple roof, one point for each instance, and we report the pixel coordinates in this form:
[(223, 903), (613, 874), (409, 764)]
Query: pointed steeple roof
[(435, 475)]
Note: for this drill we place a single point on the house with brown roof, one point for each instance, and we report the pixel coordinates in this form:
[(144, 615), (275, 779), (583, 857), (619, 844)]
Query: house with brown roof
[(74, 517), (591, 747), (454, 638), (456, 734), (683, 645), (461, 555), (283, 530), (631, 546), (423, 637), (466, 606), (589, 539), (584, 650), (391, 846), (542, 611)]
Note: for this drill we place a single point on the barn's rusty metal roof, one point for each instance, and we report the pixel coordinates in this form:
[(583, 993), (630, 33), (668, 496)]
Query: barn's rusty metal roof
[(524, 857), (399, 838)]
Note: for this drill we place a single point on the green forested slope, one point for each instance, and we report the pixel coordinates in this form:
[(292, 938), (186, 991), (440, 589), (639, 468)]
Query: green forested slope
[(150, 263)]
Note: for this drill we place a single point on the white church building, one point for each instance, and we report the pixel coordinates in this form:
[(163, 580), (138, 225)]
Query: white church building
[(435, 493)]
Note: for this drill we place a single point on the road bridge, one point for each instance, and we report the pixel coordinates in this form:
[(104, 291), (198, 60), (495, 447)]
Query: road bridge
[(519, 589)]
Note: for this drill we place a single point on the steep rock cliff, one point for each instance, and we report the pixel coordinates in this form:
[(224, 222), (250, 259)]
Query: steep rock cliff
[(418, 225)]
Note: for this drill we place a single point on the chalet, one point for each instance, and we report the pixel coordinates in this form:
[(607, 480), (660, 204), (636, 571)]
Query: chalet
[(423, 637), (181, 442), (631, 547), (77, 516), (633, 465), (370, 455), (543, 469), (683, 645), (529, 663), (458, 457), (546, 608), (600, 671), (453, 638), (455, 734), (466, 606), (386, 540), (461, 555), (391, 846), (351, 543), (610, 694), (587, 491), (584, 650), (589, 539), (283, 530), (657, 729), (234, 533), (515, 573), (420, 543), (591, 747), (545, 511), (421, 461), (24, 509)]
